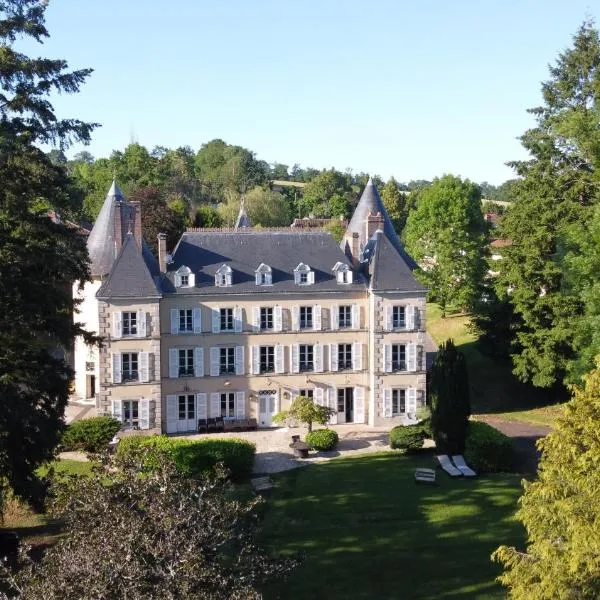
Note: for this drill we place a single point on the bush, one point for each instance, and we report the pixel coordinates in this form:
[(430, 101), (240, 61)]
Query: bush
[(488, 450), (196, 458), (322, 439), (91, 435), (409, 437)]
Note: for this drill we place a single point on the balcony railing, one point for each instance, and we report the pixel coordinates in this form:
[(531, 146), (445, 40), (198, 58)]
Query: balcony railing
[(306, 366)]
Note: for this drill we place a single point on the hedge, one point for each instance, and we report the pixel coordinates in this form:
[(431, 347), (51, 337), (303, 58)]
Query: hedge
[(197, 457), (322, 439), (488, 450), (409, 437), (91, 435)]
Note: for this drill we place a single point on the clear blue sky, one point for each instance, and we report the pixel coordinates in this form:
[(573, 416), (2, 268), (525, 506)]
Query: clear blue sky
[(411, 89)]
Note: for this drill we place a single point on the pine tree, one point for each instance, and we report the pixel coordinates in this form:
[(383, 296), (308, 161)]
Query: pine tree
[(561, 510), (39, 259)]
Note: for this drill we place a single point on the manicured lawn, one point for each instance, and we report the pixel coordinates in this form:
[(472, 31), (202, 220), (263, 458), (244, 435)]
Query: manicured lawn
[(368, 531), (71, 467)]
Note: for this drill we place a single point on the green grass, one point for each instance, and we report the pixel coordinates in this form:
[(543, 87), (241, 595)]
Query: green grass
[(66, 466), (494, 389), (368, 531)]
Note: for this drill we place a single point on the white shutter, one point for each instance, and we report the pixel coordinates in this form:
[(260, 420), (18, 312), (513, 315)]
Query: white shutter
[(240, 405), (144, 421), (215, 361), (198, 362), (332, 398), (216, 320), (357, 356), (255, 358), (295, 353), (237, 319), (409, 317), (239, 360), (359, 405), (355, 316), (333, 357), (387, 402), (197, 319), (387, 358), (117, 410), (173, 362), (411, 357), (116, 368), (201, 406), (411, 402), (349, 275), (316, 318), (177, 280), (279, 364), (117, 324), (144, 358), (215, 404), (256, 317), (295, 318), (319, 396), (172, 414), (311, 277), (277, 318), (192, 280), (174, 321), (416, 318), (141, 323), (389, 325), (318, 357), (334, 316)]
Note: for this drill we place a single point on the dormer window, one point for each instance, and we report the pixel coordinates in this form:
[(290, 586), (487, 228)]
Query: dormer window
[(342, 272), (184, 277), (264, 275), (303, 275), (223, 276)]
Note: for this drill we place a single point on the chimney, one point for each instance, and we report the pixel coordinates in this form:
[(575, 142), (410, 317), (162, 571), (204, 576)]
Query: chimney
[(162, 252), (137, 222), (118, 226), (374, 222)]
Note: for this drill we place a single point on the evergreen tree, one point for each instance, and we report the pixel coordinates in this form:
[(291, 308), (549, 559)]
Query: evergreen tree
[(561, 509), (39, 259), (449, 398)]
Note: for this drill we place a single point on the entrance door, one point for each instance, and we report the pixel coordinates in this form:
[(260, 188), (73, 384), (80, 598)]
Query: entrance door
[(90, 386), (186, 408), (267, 407), (345, 406)]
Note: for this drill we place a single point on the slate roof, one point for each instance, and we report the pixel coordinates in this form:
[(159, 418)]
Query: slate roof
[(244, 250), (134, 274)]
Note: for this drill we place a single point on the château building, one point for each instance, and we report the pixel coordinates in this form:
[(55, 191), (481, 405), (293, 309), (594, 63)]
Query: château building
[(235, 323)]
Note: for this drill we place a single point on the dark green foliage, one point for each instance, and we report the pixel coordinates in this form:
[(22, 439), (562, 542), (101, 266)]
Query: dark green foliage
[(322, 439), (449, 398), (196, 458), (409, 437), (488, 450), (493, 322), (91, 435), (207, 217)]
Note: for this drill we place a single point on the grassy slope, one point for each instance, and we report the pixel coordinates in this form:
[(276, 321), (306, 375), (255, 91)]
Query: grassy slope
[(494, 389), (369, 531)]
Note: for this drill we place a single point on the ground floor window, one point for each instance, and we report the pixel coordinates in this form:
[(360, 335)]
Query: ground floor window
[(187, 406), (228, 404), (308, 393), (130, 414), (398, 402)]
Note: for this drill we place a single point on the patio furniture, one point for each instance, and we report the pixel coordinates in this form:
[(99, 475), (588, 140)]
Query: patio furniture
[(219, 424), (202, 426), (423, 475), (211, 425), (300, 449), (447, 465), (461, 465), (228, 424), (252, 424)]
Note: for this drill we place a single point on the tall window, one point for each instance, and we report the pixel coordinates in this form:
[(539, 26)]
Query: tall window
[(129, 365), (306, 362), (399, 317), (398, 357), (267, 359), (129, 323), (185, 280), (187, 406), (266, 318), (130, 413), (186, 362), (227, 361), (186, 320), (226, 319), (345, 316), (228, 404), (344, 356), (398, 402), (306, 317)]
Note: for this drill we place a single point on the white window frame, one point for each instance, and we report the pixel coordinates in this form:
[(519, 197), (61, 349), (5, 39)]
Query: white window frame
[(184, 367), (224, 276), (399, 362), (227, 360), (227, 319), (304, 275), (346, 323), (186, 272), (126, 323), (395, 397), (343, 274), (125, 379), (187, 412), (229, 411), (309, 317), (307, 353), (263, 275), (260, 318), (130, 406)]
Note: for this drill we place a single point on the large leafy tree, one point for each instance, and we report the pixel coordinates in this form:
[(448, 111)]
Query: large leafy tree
[(447, 236), (561, 510), (394, 201), (558, 185), (39, 259)]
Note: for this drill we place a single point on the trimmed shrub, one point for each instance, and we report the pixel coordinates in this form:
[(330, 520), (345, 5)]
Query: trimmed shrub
[(91, 435), (409, 437), (196, 458), (322, 439), (488, 450)]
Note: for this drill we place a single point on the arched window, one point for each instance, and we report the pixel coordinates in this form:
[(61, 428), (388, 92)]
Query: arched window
[(342, 272), (303, 275), (184, 277), (223, 276), (264, 275)]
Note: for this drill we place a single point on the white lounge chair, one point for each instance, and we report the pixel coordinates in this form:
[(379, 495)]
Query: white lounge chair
[(461, 465), (447, 465)]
